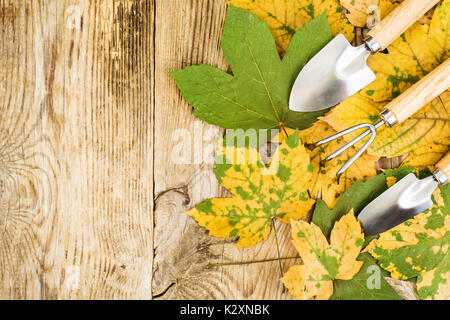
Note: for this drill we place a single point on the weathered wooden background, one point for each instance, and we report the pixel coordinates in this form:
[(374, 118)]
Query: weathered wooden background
[(91, 201)]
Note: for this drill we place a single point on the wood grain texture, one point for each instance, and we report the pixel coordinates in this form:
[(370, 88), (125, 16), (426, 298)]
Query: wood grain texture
[(75, 99)]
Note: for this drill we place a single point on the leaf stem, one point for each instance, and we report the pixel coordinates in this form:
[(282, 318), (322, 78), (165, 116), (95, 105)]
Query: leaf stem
[(278, 248), (212, 265)]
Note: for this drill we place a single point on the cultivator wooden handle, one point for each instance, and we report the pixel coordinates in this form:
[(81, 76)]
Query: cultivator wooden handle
[(399, 20), (413, 99)]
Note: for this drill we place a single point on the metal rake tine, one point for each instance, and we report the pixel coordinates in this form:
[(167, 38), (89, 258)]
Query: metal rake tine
[(372, 129), (359, 152), (355, 140), (342, 133)]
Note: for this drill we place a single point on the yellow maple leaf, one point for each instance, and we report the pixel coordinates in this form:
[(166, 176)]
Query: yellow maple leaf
[(324, 172), (261, 193), (363, 13), (416, 53), (419, 248), (323, 262), (286, 17)]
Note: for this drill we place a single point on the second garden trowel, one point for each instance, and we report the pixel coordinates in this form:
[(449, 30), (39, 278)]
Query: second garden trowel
[(404, 200), (339, 70)]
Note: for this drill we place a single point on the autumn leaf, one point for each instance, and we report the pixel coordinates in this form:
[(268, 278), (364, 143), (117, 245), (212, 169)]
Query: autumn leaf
[(363, 13), (360, 11), (419, 246), (417, 52), (356, 197), (256, 95), (324, 174), (323, 262), (286, 17), (367, 284), (428, 154), (425, 135), (324, 178), (261, 193)]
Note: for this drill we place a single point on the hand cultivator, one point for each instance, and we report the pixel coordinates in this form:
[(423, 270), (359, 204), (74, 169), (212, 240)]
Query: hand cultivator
[(395, 112)]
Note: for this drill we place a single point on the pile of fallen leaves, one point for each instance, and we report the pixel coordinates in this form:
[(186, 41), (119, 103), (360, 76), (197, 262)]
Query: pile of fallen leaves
[(335, 255)]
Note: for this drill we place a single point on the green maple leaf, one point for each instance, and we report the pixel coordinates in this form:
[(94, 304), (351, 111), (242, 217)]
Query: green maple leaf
[(357, 197), (256, 95)]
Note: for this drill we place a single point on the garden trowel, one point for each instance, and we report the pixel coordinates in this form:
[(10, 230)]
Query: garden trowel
[(339, 70), (404, 200)]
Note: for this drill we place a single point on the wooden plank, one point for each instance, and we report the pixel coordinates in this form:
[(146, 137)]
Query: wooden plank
[(188, 32), (75, 149)]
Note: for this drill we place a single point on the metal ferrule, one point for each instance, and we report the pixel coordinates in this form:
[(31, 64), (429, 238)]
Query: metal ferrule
[(388, 117), (373, 45), (440, 177)]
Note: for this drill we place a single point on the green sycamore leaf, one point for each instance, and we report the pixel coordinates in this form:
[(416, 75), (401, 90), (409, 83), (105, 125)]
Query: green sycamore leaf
[(418, 248), (356, 197), (257, 94)]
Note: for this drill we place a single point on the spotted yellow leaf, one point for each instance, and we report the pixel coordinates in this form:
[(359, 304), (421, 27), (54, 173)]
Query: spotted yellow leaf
[(261, 193), (416, 53), (286, 17), (323, 262), (428, 154), (412, 56), (324, 172), (419, 248), (360, 12)]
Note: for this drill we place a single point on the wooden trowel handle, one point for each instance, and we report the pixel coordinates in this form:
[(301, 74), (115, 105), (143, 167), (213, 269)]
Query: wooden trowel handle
[(444, 165), (399, 20), (417, 96)]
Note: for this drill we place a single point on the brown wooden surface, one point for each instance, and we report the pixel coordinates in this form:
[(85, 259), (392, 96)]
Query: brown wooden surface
[(76, 149), (444, 165), (91, 202)]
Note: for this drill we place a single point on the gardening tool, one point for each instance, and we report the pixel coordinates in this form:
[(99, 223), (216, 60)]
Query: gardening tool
[(404, 200), (397, 111), (339, 70)]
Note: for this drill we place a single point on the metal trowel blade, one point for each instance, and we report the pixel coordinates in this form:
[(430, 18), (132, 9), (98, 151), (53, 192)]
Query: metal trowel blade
[(335, 73), (404, 200)]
